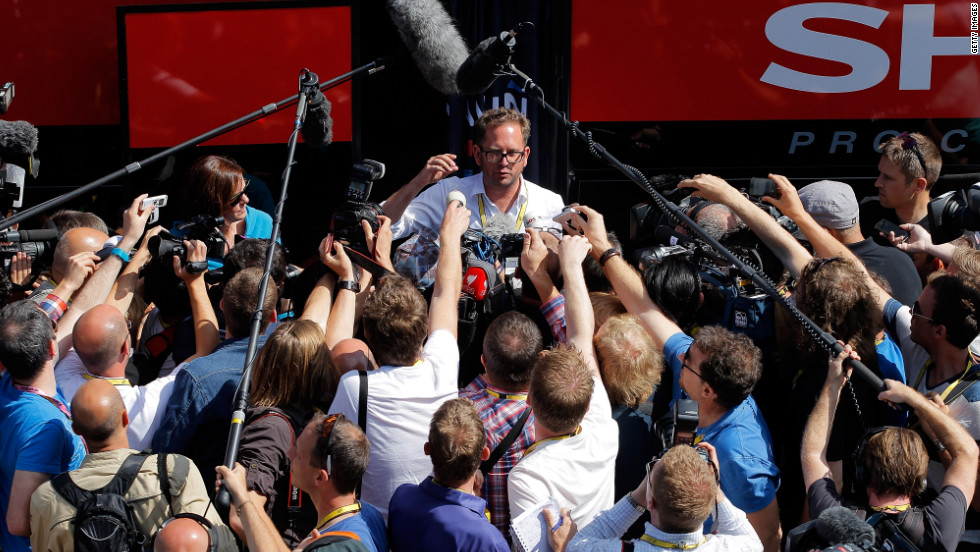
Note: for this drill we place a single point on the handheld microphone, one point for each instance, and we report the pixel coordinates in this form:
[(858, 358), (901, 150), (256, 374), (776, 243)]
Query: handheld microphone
[(480, 69), (456, 195), (432, 39), (317, 129), (45, 234), (475, 283), (839, 525)]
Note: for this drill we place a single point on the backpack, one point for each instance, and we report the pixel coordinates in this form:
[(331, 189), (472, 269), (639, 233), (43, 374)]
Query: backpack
[(104, 521)]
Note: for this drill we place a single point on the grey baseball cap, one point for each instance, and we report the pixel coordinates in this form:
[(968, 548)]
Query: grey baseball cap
[(832, 204)]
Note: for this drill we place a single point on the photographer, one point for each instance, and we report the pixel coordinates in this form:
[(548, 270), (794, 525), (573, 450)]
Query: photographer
[(680, 491), (895, 462), (719, 370)]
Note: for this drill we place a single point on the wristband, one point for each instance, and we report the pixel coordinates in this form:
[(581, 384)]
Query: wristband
[(608, 254), (121, 254), (238, 509), (349, 284)]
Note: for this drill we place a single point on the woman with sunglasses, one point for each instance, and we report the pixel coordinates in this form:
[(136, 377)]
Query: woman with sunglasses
[(217, 187), (293, 373)]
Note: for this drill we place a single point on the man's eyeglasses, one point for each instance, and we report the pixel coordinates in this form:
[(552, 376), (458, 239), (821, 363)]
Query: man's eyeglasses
[(511, 156), (910, 143), (235, 199), (917, 311), (684, 364)]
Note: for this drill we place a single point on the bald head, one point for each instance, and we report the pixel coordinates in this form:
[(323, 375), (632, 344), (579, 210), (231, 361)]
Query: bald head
[(74, 241), (352, 354), (99, 415), (182, 535), (99, 338)]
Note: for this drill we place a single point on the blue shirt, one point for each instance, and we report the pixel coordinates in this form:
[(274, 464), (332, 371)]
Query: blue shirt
[(368, 525), (749, 476), (198, 414), (892, 366), (675, 346), (429, 516), (34, 436)]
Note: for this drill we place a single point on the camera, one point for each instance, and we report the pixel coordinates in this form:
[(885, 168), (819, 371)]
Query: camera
[(345, 224), (6, 96), (759, 187), (42, 251), (679, 427), (953, 213), (205, 228)]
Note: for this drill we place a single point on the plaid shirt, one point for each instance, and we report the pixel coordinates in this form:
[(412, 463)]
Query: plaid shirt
[(499, 414), (53, 306), (554, 313)]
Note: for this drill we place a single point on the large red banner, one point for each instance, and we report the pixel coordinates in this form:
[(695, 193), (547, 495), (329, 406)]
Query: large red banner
[(659, 60)]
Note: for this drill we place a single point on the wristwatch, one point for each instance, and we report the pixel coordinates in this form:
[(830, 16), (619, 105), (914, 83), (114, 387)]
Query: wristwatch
[(636, 505), (349, 284)]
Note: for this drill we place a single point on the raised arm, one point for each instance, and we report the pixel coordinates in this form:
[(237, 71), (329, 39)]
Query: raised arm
[(793, 255), (813, 454), (443, 311), (317, 307), (962, 469), (340, 324), (625, 280), (123, 289), (436, 168), (579, 318), (206, 335)]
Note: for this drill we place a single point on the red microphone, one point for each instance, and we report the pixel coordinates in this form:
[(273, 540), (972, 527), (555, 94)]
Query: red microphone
[(475, 283)]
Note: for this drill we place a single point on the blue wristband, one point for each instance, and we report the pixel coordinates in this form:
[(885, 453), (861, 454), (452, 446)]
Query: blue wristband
[(121, 254)]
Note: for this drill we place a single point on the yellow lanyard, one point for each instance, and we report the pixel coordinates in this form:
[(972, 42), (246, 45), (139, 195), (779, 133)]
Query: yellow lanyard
[(520, 214), (350, 508), (531, 448), (665, 544), (949, 387), (896, 507), (494, 394), (113, 381)]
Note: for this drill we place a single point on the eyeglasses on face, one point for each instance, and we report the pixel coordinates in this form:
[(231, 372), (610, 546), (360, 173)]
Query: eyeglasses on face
[(684, 364), (237, 198), (917, 311), (495, 156)]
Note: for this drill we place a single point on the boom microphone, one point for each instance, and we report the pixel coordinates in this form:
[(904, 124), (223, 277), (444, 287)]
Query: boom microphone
[(17, 138), (432, 39), (839, 525), (44, 234), (317, 129), (480, 69)]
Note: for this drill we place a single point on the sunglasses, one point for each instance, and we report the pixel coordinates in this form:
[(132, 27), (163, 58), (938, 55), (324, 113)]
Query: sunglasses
[(235, 199), (326, 431), (917, 311), (910, 143)]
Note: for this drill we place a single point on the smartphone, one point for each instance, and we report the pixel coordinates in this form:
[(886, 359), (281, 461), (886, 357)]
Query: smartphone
[(156, 201), (885, 226), (759, 187)]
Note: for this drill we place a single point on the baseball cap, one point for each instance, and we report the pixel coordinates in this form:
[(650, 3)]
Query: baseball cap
[(832, 204)]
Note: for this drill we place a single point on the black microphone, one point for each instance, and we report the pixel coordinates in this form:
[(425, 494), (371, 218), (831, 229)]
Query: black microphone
[(431, 37), (839, 525), (481, 68), (668, 236), (44, 234), (317, 129)]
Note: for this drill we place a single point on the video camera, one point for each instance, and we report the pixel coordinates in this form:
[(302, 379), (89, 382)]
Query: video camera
[(345, 224), (954, 212), (39, 245), (205, 228)]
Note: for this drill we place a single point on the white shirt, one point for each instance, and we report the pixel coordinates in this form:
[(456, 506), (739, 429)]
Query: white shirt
[(579, 472), (145, 404), (533, 202), (401, 402)]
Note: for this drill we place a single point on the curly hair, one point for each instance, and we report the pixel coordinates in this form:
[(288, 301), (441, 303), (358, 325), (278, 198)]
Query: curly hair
[(629, 360), (835, 294), (732, 364)]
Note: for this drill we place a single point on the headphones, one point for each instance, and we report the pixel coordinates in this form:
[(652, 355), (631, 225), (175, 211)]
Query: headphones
[(202, 521), (861, 476)]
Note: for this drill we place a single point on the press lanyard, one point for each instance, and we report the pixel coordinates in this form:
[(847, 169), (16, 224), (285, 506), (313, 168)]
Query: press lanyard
[(531, 448), (665, 544), (113, 381), (520, 215), (58, 404), (350, 508), (896, 507), (496, 395), (949, 387)]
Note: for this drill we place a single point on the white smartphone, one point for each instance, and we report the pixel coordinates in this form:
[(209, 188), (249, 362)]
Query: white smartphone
[(156, 201)]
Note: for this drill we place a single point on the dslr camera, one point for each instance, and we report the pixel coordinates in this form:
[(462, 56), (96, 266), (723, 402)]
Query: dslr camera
[(345, 224), (679, 427)]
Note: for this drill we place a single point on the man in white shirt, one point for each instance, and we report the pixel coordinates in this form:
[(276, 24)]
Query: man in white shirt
[(499, 191), (574, 456), (412, 381)]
